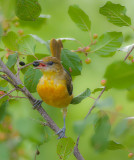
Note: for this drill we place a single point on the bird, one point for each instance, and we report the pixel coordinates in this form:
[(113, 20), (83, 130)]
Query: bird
[(55, 86)]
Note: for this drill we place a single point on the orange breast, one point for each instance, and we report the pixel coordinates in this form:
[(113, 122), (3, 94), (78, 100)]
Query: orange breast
[(54, 92)]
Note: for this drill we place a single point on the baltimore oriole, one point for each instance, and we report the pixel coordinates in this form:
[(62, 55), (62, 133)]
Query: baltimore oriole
[(55, 86)]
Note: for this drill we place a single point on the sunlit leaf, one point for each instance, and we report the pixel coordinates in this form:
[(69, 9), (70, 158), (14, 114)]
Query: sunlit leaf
[(12, 59), (79, 17), (80, 97), (120, 75), (27, 45), (126, 48), (65, 148), (31, 79), (71, 60), (98, 90), (11, 41), (28, 10), (115, 14), (108, 43), (112, 145)]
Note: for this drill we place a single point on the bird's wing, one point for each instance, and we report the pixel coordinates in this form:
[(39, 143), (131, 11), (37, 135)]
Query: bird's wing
[(55, 47), (68, 82)]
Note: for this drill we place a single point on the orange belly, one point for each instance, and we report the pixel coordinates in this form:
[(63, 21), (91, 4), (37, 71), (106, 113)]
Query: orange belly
[(54, 93)]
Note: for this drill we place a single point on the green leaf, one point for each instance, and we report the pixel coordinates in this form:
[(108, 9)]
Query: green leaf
[(3, 108), (4, 88), (98, 90), (108, 43), (28, 10), (120, 75), (11, 41), (71, 60), (12, 59), (27, 45), (102, 129), (4, 151), (130, 95), (65, 148), (80, 97), (79, 126), (41, 20), (115, 14), (31, 79), (79, 17), (112, 145), (106, 103)]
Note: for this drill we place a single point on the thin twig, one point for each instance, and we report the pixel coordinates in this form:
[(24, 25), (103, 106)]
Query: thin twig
[(16, 96), (8, 93), (93, 106), (40, 122), (26, 65), (129, 53)]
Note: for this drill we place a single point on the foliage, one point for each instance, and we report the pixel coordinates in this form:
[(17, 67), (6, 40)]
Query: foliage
[(26, 32)]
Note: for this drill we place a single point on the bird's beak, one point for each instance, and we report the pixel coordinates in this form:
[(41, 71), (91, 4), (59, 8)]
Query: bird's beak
[(39, 64)]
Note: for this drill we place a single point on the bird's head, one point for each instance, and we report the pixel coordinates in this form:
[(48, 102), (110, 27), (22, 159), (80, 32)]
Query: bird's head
[(48, 65)]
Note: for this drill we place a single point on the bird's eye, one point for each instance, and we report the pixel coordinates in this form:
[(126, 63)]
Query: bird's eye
[(35, 63), (50, 63)]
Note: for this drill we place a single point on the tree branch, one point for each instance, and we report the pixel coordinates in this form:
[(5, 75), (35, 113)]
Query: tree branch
[(8, 93), (15, 82), (129, 53)]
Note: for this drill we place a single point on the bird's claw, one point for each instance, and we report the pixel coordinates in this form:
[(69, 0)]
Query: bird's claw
[(61, 133), (37, 103)]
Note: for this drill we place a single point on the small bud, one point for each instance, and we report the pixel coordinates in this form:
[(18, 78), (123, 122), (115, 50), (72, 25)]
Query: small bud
[(2, 92), (21, 63), (79, 50), (7, 55), (88, 61), (5, 25), (37, 152), (130, 155), (95, 36), (130, 57), (21, 32), (70, 69), (87, 49), (132, 60), (103, 82)]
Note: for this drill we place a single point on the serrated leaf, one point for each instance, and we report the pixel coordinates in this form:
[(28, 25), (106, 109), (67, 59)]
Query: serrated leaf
[(65, 148), (11, 41), (120, 75), (31, 79), (3, 109), (12, 59), (115, 14), (80, 97), (112, 145), (27, 45), (28, 10), (79, 17), (108, 43), (71, 60)]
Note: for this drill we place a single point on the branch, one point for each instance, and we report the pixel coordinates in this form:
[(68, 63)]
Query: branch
[(8, 93), (40, 109), (129, 53), (26, 65)]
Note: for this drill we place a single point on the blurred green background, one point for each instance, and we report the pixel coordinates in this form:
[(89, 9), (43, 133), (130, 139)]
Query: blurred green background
[(24, 120)]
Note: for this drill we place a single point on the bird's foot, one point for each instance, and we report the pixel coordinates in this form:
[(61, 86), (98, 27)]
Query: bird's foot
[(37, 103), (61, 133)]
